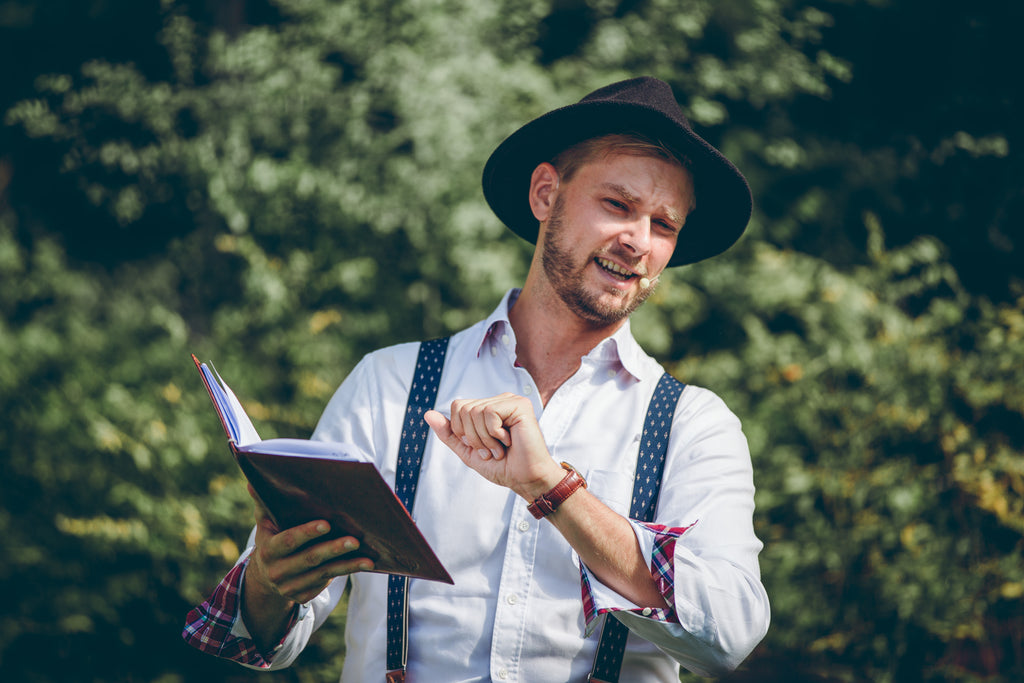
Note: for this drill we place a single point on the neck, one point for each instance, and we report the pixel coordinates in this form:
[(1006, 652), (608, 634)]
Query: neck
[(551, 340)]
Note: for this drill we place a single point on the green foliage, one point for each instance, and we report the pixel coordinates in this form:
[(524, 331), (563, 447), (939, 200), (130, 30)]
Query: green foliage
[(890, 494), (282, 196)]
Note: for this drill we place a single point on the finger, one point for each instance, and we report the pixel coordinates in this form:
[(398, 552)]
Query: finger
[(456, 422), (298, 571), (305, 583), (496, 424), (473, 420), (465, 415), (316, 556), (486, 425), (443, 428), (441, 425), (305, 587), (289, 541)]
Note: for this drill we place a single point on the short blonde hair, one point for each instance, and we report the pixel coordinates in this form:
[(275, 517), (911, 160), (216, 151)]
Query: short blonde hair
[(570, 159)]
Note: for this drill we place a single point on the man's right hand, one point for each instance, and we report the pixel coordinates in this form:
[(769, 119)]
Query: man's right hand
[(289, 567)]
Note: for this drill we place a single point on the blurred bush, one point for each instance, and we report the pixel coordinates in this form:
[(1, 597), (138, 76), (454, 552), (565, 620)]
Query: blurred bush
[(283, 186)]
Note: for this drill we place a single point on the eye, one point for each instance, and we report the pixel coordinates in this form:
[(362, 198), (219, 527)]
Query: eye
[(668, 227), (615, 204)]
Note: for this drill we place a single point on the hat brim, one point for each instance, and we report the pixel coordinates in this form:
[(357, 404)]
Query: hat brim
[(724, 202)]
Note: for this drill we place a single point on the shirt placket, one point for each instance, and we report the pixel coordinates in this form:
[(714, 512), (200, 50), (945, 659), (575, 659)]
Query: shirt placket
[(518, 565), (521, 548), (513, 595)]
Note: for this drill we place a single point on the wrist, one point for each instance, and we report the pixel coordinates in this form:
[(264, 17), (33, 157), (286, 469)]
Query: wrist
[(266, 614), (542, 484), (548, 502), (255, 590)]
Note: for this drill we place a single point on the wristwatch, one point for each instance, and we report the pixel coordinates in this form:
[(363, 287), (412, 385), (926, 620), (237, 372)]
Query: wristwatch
[(549, 502)]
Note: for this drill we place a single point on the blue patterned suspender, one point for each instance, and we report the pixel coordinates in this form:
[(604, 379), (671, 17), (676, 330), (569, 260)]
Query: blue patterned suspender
[(646, 485), (422, 396)]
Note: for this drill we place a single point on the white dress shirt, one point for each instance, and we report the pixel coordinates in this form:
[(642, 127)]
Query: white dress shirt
[(515, 612)]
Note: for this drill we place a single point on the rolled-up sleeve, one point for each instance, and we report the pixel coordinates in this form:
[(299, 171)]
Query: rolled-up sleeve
[(216, 627), (702, 548)]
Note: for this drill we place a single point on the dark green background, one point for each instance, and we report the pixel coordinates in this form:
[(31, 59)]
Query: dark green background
[(280, 186)]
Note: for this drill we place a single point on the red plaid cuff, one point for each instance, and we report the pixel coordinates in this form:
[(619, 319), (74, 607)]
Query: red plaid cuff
[(662, 569), (208, 627)]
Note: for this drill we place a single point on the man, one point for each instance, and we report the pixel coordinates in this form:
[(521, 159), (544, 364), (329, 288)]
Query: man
[(613, 190)]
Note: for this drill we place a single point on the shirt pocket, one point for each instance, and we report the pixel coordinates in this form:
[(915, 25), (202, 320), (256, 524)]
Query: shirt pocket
[(613, 488)]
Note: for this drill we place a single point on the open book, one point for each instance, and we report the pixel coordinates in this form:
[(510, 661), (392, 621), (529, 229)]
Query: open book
[(299, 480)]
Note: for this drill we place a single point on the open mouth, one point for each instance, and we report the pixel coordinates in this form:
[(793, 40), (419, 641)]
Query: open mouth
[(615, 270)]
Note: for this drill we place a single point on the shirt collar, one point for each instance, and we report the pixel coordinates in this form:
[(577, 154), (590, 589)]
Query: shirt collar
[(497, 323), (620, 347)]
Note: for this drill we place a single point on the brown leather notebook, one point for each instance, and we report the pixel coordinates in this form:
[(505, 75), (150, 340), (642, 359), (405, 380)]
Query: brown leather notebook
[(300, 480)]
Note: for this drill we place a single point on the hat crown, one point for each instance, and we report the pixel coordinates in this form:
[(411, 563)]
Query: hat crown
[(645, 91)]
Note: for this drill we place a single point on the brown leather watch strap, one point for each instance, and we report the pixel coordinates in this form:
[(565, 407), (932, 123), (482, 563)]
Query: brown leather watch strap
[(549, 502)]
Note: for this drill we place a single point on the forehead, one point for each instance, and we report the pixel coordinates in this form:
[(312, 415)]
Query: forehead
[(640, 178)]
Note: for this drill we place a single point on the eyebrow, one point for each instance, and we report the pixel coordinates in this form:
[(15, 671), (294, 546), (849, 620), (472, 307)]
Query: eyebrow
[(673, 215)]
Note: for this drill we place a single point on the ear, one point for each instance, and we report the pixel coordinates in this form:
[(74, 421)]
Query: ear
[(543, 183)]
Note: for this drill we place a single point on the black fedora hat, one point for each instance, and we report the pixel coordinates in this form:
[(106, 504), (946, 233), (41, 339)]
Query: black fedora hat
[(644, 106)]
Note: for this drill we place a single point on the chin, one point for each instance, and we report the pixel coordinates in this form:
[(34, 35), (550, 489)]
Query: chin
[(595, 309)]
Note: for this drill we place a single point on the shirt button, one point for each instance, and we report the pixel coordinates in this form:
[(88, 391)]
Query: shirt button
[(512, 599), (502, 674), (494, 350), (523, 525), (527, 390), (505, 340), (611, 373), (647, 611)]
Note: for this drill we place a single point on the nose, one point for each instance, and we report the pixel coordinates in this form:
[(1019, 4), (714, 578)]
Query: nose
[(636, 236)]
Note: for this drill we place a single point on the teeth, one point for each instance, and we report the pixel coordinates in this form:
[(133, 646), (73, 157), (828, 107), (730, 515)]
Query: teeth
[(615, 268)]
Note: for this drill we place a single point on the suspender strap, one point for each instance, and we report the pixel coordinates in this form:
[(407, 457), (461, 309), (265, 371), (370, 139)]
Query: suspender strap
[(646, 485), (422, 396)]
